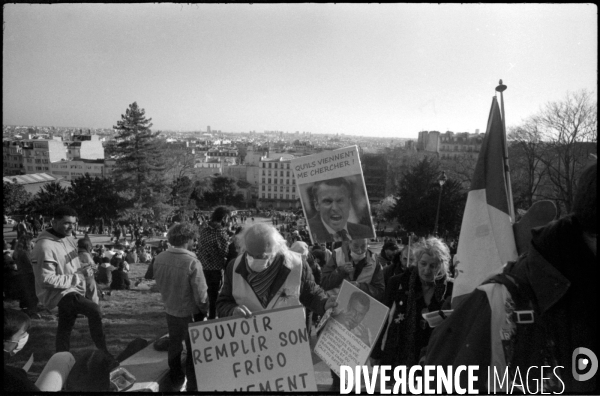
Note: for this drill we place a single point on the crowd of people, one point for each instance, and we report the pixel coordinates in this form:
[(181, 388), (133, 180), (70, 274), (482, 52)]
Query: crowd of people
[(216, 267)]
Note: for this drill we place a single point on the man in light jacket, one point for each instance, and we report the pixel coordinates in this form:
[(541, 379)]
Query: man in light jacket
[(61, 282)]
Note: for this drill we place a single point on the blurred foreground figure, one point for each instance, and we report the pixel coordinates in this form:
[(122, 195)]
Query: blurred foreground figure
[(541, 311), (54, 374)]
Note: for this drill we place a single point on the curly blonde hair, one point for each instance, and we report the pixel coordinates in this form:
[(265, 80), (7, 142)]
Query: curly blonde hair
[(437, 249)]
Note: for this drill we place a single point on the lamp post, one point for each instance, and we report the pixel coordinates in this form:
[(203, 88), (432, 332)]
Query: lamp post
[(441, 180)]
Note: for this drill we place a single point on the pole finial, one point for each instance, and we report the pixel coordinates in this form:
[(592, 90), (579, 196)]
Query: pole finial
[(501, 88)]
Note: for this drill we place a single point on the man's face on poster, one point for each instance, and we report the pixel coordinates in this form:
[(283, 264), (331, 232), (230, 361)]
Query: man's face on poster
[(333, 203), (354, 315)]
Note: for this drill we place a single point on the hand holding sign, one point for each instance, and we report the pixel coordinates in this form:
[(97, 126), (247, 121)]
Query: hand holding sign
[(241, 310), (349, 269), (331, 302)]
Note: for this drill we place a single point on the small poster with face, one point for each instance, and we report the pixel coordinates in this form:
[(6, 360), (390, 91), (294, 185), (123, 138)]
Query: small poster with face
[(351, 332), (334, 196)]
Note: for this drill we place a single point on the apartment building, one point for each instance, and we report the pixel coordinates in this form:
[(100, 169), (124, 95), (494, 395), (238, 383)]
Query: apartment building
[(277, 186), (12, 158), (38, 154), (72, 169)]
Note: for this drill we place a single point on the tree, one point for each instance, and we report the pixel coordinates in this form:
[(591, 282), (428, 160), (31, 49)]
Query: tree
[(382, 208), (50, 197), (94, 198), (140, 165), (460, 168), (569, 131), (527, 170), (417, 200), (181, 191), (179, 162), (223, 191), (15, 196)]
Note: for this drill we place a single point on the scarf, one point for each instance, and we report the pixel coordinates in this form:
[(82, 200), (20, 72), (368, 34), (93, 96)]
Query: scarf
[(409, 350), (261, 281)]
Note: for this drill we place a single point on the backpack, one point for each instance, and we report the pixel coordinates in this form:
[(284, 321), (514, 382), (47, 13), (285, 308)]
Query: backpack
[(532, 342)]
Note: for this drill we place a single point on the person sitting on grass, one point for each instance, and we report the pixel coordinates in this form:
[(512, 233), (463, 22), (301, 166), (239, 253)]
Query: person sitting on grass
[(54, 374), (105, 271), (120, 279)]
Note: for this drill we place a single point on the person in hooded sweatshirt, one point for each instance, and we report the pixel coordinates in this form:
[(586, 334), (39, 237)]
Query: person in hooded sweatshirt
[(61, 282)]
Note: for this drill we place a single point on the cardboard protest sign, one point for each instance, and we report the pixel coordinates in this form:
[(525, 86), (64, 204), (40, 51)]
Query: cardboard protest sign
[(333, 195), (268, 352), (350, 334)]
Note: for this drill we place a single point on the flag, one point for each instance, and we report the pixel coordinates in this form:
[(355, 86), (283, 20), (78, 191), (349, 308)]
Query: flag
[(487, 240)]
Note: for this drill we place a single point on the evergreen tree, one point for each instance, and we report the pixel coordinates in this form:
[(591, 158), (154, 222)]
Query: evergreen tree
[(417, 200), (140, 165)]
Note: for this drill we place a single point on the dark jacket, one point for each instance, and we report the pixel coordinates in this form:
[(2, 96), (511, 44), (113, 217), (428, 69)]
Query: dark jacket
[(15, 379), (120, 279), (311, 295), (397, 291), (332, 276), (562, 274)]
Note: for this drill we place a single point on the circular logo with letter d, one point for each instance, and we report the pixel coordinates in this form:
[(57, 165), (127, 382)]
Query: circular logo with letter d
[(584, 364)]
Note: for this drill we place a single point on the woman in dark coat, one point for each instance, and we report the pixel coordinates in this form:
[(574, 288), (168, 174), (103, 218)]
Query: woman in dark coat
[(426, 287)]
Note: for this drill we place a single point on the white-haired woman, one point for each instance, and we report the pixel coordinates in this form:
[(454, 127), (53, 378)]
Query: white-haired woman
[(267, 275), (423, 288)]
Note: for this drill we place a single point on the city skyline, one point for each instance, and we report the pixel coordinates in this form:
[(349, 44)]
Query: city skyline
[(355, 69)]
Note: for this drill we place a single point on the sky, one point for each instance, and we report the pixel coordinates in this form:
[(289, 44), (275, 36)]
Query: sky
[(388, 70)]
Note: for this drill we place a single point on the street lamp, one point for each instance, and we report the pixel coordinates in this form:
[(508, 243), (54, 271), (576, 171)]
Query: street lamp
[(441, 180)]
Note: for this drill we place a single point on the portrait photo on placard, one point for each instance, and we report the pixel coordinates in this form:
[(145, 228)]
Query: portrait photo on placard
[(337, 209)]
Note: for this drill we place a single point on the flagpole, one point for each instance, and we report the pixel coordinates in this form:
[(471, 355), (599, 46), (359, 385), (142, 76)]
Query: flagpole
[(511, 208)]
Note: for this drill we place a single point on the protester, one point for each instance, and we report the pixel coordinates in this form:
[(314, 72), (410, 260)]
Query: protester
[(302, 249), (425, 287), (400, 263), (268, 275), (91, 372), (61, 282), (556, 282), (131, 256), (24, 278), (362, 270), (84, 247), (105, 270), (212, 252), (21, 229), (120, 279), (388, 251), (10, 288), (180, 279), (55, 372), (234, 250), (118, 259)]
